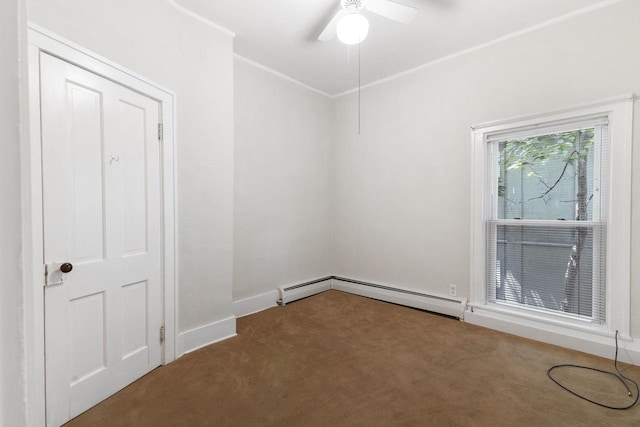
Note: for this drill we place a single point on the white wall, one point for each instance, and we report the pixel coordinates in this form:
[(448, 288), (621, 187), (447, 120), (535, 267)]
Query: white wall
[(283, 184), (195, 61), (403, 187), (11, 324)]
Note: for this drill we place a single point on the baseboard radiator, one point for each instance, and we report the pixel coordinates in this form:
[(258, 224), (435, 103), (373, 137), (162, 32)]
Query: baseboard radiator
[(449, 306), (295, 292), (440, 304)]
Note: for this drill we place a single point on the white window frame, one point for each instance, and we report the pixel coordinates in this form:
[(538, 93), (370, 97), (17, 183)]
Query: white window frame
[(619, 112)]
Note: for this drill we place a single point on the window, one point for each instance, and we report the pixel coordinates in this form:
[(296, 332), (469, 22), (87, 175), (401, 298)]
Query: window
[(546, 225), (551, 217)]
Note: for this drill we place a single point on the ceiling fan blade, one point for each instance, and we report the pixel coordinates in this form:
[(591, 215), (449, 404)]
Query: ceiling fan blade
[(329, 31), (395, 11)]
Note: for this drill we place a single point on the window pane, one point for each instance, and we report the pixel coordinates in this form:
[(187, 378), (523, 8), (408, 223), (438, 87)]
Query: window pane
[(547, 177), (549, 268)]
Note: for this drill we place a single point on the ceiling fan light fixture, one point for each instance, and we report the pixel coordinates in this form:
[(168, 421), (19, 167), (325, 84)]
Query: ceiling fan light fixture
[(352, 28)]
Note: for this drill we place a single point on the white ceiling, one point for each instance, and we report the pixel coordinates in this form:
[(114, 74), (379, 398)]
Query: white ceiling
[(282, 34)]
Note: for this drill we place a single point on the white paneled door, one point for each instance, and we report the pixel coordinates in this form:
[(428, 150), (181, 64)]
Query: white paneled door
[(102, 236)]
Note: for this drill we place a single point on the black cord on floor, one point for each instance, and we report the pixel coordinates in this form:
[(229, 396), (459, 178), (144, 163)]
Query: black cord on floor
[(618, 375)]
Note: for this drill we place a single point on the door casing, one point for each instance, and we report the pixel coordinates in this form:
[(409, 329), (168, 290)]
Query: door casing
[(41, 40)]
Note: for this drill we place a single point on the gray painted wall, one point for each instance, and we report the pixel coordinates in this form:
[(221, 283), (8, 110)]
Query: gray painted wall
[(11, 297), (283, 186), (403, 187), (12, 350)]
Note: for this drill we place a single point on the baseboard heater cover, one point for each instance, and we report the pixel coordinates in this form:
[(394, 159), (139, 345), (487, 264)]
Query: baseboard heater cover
[(295, 292), (454, 307)]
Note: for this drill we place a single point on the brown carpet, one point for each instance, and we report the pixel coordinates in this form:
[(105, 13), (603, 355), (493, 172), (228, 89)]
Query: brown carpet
[(337, 359)]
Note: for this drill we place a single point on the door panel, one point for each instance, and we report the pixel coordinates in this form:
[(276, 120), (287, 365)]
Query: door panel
[(134, 306), (133, 139), (102, 204), (85, 139), (87, 324)]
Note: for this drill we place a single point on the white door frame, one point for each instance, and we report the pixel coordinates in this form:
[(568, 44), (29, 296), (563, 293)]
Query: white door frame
[(41, 40)]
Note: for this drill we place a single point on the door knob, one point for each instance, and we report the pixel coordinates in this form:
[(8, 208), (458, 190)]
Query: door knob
[(66, 267)]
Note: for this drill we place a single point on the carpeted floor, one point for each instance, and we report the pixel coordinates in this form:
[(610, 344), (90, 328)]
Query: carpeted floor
[(337, 359)]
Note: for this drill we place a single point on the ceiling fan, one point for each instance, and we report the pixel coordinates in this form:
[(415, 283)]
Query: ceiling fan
[(351, 27)]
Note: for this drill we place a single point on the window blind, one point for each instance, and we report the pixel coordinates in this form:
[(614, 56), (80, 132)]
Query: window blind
[(546, 219)]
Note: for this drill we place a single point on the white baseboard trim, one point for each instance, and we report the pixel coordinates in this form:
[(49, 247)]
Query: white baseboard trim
[(202, 336), (599, 345), (256, 303)]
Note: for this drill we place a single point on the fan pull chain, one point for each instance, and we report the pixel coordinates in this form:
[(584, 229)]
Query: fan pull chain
[(359, 81), (359, 87)]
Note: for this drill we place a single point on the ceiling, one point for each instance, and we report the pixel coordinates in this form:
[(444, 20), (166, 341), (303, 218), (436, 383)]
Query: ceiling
[(282, 34)]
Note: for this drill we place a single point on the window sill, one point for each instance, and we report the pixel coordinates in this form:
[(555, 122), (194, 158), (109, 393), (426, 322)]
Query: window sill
[(588, 338), (530, 314)]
